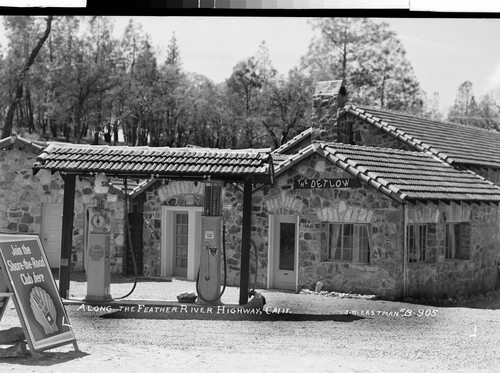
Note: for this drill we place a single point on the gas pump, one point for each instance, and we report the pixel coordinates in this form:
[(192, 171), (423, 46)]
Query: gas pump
[(98, 247), (208, 282)]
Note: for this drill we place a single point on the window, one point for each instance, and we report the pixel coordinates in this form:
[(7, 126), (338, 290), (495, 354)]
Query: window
[(181, 239), (348, 243), (344, 132), (457, 241), (417, 242)]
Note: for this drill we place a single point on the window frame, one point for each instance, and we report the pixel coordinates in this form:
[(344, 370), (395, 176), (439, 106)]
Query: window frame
[(356, 251), (345, 132), (455, 244), (417, 242)]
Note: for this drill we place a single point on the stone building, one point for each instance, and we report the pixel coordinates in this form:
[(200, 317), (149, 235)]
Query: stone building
[(360, 219), (365, 201), (431, 225), (464, 148), (379, 221), (32, 204)]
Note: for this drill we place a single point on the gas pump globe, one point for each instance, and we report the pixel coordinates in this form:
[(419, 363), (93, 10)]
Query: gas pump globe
[(98, 246)]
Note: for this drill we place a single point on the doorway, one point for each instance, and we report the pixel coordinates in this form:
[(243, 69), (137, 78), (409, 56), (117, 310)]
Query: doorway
[(283, 252), (180, 241), (51, 232)]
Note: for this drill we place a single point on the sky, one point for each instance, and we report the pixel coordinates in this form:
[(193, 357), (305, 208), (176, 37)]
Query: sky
[(444, 52)]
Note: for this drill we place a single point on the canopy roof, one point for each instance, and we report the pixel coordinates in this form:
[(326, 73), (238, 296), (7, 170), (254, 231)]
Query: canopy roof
[(148, 162)]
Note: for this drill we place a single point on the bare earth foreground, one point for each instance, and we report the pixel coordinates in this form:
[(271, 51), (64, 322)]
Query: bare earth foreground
[(294, 333)]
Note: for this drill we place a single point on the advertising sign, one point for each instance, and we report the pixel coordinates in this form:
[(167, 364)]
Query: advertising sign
[(25, 266)]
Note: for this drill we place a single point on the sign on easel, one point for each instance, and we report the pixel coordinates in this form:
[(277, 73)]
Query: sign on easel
[(27, 275)]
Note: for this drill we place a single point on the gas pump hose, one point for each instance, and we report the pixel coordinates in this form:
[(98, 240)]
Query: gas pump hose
[(129, 239)]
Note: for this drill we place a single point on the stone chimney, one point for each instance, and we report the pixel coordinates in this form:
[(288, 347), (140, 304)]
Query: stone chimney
[(329, 97)]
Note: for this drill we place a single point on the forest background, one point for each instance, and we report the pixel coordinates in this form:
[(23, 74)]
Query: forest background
[(71, 79)]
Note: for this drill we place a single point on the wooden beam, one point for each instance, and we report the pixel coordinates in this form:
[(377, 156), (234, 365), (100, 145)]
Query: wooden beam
[(246, 232), (67, 234)]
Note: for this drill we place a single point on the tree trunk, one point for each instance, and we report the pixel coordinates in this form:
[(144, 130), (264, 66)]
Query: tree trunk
[(21, 76), (29, 111)]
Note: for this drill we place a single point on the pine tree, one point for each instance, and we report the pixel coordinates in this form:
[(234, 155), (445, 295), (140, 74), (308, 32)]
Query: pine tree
[(369, 57), (465, 110)]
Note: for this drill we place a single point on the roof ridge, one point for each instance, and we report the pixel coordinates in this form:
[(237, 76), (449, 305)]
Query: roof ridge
[(402, 113), (16, 140), (378, 149), (290, 143), (159, 148)]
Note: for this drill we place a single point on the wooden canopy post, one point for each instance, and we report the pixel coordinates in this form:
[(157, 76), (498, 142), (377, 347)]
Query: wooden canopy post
[(67, 234), (246, 233)]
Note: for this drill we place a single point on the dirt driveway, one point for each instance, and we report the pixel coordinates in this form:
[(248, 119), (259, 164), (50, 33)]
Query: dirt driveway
[(294, 333)]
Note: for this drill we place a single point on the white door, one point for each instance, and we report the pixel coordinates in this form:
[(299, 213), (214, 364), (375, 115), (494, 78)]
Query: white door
[(180, 241), (51, 232), (283, 251)]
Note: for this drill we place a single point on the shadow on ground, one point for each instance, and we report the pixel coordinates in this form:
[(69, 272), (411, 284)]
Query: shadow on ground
[(228, 316), (44, 358)]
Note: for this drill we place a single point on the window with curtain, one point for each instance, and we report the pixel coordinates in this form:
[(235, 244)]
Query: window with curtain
[(417, 238), (457, 242), (347, 243)]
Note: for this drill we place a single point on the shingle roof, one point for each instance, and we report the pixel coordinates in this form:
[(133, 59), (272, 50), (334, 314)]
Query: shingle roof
[(454, 143), (411, 175), (147, 162), (402, 175)]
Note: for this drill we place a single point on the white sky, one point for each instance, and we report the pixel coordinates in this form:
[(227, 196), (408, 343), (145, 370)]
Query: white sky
[(444, 52)]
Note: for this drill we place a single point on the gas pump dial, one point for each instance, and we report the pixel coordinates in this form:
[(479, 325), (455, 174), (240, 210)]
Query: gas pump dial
[(99, 221)]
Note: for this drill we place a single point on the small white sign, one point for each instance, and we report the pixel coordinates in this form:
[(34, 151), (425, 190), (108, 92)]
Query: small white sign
[(209, 235), (112, 198)]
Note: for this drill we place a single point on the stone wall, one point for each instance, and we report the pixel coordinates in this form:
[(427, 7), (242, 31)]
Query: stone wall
[(328, 98), (366, 134), (22, 195), (233, 219), (440, 277)]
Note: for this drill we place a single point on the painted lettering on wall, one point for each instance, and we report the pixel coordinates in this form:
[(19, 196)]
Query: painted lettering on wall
[(326, 183)]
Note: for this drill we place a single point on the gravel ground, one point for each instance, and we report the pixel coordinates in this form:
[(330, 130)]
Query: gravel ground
[(294, 333)]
